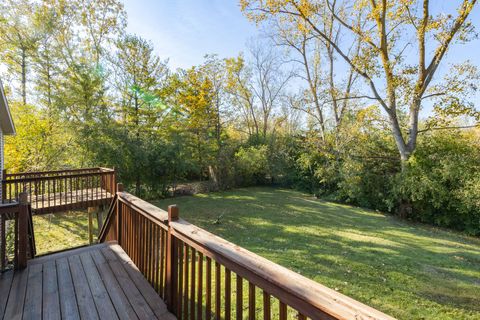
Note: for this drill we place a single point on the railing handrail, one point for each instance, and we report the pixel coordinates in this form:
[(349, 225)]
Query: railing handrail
[(307, 296), (42, 178), (29, 173)]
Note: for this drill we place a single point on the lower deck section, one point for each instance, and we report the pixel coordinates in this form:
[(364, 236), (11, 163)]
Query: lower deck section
[(76, 199), (96, 282)]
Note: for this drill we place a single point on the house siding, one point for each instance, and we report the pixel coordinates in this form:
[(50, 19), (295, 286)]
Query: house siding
[(1, 159)]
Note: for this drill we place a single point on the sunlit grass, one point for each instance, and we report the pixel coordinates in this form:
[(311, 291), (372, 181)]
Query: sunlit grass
[(60, 231), (409, 271)]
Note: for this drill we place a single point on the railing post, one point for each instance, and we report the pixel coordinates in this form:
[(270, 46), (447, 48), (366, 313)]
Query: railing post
[(113, 180), (22, 231), (172, 258), (4, 186), (119, 187)]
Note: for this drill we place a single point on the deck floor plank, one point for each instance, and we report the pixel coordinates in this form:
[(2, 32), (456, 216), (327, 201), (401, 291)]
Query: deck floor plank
[(152, 298), (16, 299), (6, 279), (120, 301), (34, 297), (68, 302), (141, 307), (51, 301), (86, 304), (96, 282), (100, 296)]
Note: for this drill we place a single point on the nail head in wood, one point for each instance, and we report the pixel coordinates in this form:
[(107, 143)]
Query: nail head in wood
[(172, 212)]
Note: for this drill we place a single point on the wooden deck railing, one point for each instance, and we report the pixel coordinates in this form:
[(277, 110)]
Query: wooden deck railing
[(17, 242), (51, 191), (201, 276)]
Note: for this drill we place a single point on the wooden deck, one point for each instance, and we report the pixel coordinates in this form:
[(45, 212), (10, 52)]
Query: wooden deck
[(61, 190), (77, 199), (96, 282)]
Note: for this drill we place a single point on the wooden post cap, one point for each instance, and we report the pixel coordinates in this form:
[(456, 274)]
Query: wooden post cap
[(120, 187), (172, 212), (23, 198)]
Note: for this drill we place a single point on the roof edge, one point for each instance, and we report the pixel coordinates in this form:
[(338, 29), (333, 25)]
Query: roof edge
[(6, 121)]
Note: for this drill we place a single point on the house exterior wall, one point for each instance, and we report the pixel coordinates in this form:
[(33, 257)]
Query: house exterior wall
[(1, 159)]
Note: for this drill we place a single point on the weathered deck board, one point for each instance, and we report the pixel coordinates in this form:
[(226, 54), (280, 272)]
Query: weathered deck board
[(98, 282)]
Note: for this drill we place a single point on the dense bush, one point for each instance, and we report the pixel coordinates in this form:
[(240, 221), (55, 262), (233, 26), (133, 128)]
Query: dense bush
[(442, 181)]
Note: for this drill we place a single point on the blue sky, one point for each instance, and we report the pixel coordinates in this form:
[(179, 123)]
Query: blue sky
[(186, 30)]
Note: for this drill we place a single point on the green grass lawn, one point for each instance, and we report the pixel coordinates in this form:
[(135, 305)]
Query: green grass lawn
[(60, 231), (409, 271)]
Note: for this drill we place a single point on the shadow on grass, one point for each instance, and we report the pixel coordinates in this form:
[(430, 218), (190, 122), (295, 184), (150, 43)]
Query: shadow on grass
[(63, 230)]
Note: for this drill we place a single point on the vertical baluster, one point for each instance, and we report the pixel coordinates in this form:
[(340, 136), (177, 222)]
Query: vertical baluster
[(99, 187), (156, 256), (152, 254), (208, 289), (228, 293), (218, 291), (70, 193), (251, 301), (146, 248), (181, 261), (142, 244), (30, 190), (185, 280), (283, 311), (266, 306), (200, 287), (134, 237), (192, 286), (162, 261), (15, 257), (77, 185), (65, 189), (10, 192), (141, 247), (131, 232), (127, 216), (60, 188), (239, 307), (49, 189)]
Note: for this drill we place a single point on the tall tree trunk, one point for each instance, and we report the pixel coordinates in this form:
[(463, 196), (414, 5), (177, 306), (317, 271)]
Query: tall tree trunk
[(24, 75)]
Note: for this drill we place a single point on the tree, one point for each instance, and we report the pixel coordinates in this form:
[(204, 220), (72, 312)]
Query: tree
[(258, 86), (383, 63), (140, 74), (18, 38)]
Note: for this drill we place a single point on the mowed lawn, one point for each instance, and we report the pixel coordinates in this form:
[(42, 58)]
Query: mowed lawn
[(61, 231), (409, 271)]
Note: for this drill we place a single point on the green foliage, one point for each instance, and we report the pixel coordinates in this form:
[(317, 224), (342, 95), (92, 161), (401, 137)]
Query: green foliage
[(252, 164), (42, 141), (441, 181)]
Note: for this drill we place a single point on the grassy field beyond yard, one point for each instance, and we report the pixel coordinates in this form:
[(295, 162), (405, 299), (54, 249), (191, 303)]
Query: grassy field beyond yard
[(408, 271)]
